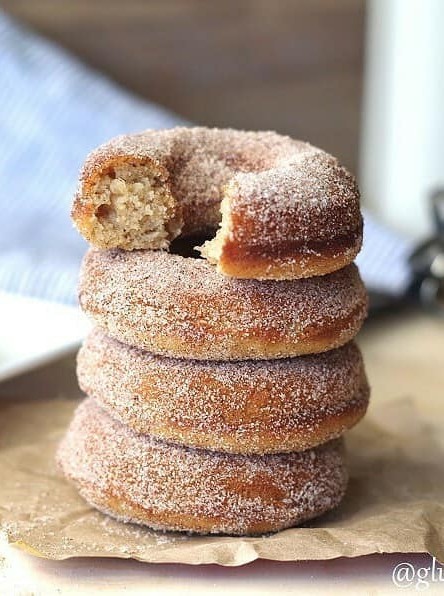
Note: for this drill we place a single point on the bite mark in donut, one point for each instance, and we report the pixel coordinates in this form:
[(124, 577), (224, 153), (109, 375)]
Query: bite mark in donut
[(131, 198)]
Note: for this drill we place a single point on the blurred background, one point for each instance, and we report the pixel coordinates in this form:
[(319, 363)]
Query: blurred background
[(295, 66), (363, 79)]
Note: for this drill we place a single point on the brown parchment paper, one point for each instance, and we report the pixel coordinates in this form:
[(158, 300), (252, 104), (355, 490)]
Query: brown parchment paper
[(395, 501)]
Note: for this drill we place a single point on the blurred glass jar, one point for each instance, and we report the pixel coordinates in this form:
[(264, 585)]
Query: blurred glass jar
[(402, 146)]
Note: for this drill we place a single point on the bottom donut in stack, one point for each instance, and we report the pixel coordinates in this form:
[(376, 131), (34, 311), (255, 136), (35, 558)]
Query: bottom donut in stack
[(166, 486), (241, 447)]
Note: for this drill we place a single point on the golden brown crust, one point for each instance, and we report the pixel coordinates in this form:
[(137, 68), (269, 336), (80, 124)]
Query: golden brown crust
[(238, 407), (295, 261), (181, 307), (136, 478), (292, 210)]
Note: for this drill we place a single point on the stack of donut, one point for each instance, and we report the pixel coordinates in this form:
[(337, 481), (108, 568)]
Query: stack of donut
[(222, 371)]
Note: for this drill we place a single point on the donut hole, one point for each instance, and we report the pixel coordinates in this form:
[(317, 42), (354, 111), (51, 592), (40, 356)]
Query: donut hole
[(189, 247), (134, 208)]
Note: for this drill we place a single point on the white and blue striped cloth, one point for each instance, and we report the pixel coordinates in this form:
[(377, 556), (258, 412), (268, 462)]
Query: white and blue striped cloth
[(53, 111)]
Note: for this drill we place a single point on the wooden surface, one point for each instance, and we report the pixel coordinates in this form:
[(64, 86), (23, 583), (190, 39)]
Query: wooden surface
[(403, 355), (293, 65)]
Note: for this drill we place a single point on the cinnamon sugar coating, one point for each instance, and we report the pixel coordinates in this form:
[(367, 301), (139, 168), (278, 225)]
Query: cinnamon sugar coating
[(240, 407), (182, 307), (289, 209), (139, 479)]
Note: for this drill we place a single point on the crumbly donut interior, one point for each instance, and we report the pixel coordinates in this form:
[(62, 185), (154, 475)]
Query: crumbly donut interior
[(134, 209), (212, 249)]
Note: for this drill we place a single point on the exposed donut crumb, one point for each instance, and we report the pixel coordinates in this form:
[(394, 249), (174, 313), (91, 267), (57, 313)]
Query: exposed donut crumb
[(134, 209)]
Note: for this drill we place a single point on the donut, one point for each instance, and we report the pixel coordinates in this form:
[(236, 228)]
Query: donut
[(181, 307), (286, 209), (247, 407), (136, 478)]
